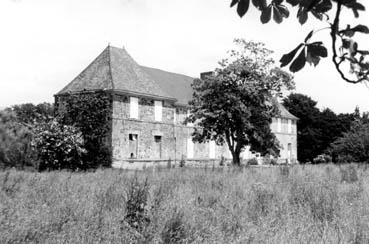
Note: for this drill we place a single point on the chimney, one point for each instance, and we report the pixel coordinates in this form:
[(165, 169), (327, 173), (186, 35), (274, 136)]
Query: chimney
[(203, 75)]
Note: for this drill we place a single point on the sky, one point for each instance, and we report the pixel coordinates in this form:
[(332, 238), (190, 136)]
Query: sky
[(44, 44)]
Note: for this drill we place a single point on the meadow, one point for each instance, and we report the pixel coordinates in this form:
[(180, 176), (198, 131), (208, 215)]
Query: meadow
[(299, 204)]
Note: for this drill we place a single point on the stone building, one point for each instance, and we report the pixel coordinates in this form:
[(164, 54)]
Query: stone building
[(148, 109)]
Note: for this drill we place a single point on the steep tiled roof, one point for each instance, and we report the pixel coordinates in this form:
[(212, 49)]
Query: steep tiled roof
[(114, 69), (284, 113), (177, 85)]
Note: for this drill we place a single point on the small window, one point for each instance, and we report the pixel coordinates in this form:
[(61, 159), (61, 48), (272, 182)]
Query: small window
[(133, 137), (157, 139)]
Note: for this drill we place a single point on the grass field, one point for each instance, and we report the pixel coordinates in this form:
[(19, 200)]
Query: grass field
[(312, 204)]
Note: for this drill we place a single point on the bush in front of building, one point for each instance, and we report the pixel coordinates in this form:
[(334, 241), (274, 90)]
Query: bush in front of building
[(322, 159), (58, 146)]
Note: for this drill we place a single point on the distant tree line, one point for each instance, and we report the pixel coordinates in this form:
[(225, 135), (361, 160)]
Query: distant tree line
[(322, 131)]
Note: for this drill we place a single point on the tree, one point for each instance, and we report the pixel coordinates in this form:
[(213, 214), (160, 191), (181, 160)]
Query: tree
[(236, 104), (29, 113), (353, 146), (316, 129), (344, 48)]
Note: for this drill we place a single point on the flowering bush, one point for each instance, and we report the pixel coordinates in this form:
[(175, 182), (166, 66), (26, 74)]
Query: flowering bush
[(58, 146)]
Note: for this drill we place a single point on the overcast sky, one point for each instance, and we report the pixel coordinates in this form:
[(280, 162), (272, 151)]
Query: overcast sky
[(44, 44)]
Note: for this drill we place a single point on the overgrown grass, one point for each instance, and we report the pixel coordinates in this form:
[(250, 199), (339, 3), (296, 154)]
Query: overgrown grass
[(310, 204)]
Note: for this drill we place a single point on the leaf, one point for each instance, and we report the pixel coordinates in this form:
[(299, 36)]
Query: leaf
[(277, 16), (260, 4), (302, 15), (284, 11), (243, 7), (266, 15), (309, 36), (317, 49), (299, 62), (361, 28), (287, 58), (350, 32), (293, 2), (234, 2)]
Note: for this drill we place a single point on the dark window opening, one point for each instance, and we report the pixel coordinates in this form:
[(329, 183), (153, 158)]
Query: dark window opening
[(157, 139)]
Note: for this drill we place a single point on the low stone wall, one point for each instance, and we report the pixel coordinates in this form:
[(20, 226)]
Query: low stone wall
[(141, 164)]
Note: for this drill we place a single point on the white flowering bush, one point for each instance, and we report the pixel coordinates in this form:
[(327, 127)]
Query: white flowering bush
[(58, 146)]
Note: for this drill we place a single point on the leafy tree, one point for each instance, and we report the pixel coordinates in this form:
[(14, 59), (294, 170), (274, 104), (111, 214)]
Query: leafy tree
[(236, 104), (15, 142), (344, 48), (316, 129), (29, 113), (353, 146)]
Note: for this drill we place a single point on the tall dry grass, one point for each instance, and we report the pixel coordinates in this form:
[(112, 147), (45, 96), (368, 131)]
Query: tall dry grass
[(303, 204)]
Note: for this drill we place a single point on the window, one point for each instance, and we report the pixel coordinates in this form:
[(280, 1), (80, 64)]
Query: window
[(157, 147), (279, 125), (158, 110), (289, 128), (211, 149), (190, 148), (133, 145), (133, 107)]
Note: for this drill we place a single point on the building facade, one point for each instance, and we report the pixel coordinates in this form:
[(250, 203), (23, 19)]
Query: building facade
[(148, 110)]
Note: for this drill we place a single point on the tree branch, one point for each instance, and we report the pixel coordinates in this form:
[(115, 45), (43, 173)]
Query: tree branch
[(334, 31)]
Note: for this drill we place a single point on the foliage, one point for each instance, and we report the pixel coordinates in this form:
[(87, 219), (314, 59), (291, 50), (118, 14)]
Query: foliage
[(91, 114), (15, 139), (322, 159), (175, 229), (136, 204), (58, 146), (353, 145), (236, 104), (29, 113), (252, 161), (344, 48), (316, 129), (252, 206)]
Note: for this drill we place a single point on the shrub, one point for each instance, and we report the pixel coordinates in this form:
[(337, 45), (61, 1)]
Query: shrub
[(136, 204), (353, 146), (252, 161), (175, 229), (58, 146), (349, 174), (222, 161), (182, 163), (322, 159)]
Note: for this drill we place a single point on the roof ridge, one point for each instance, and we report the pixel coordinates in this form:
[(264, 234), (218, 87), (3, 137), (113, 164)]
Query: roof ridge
[(110, 72)]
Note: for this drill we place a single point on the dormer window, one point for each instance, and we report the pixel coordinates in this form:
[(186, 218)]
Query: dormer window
[(133, 107), (158, 110)]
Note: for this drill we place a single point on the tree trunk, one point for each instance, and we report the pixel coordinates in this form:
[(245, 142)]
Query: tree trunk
[(236, 158)]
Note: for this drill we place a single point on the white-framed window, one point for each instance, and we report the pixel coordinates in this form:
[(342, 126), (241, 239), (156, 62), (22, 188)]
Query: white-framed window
[(190, 148), (279, 125), (212, 149), (289, 128), (175, 116), (133, 107), (158, 110)]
